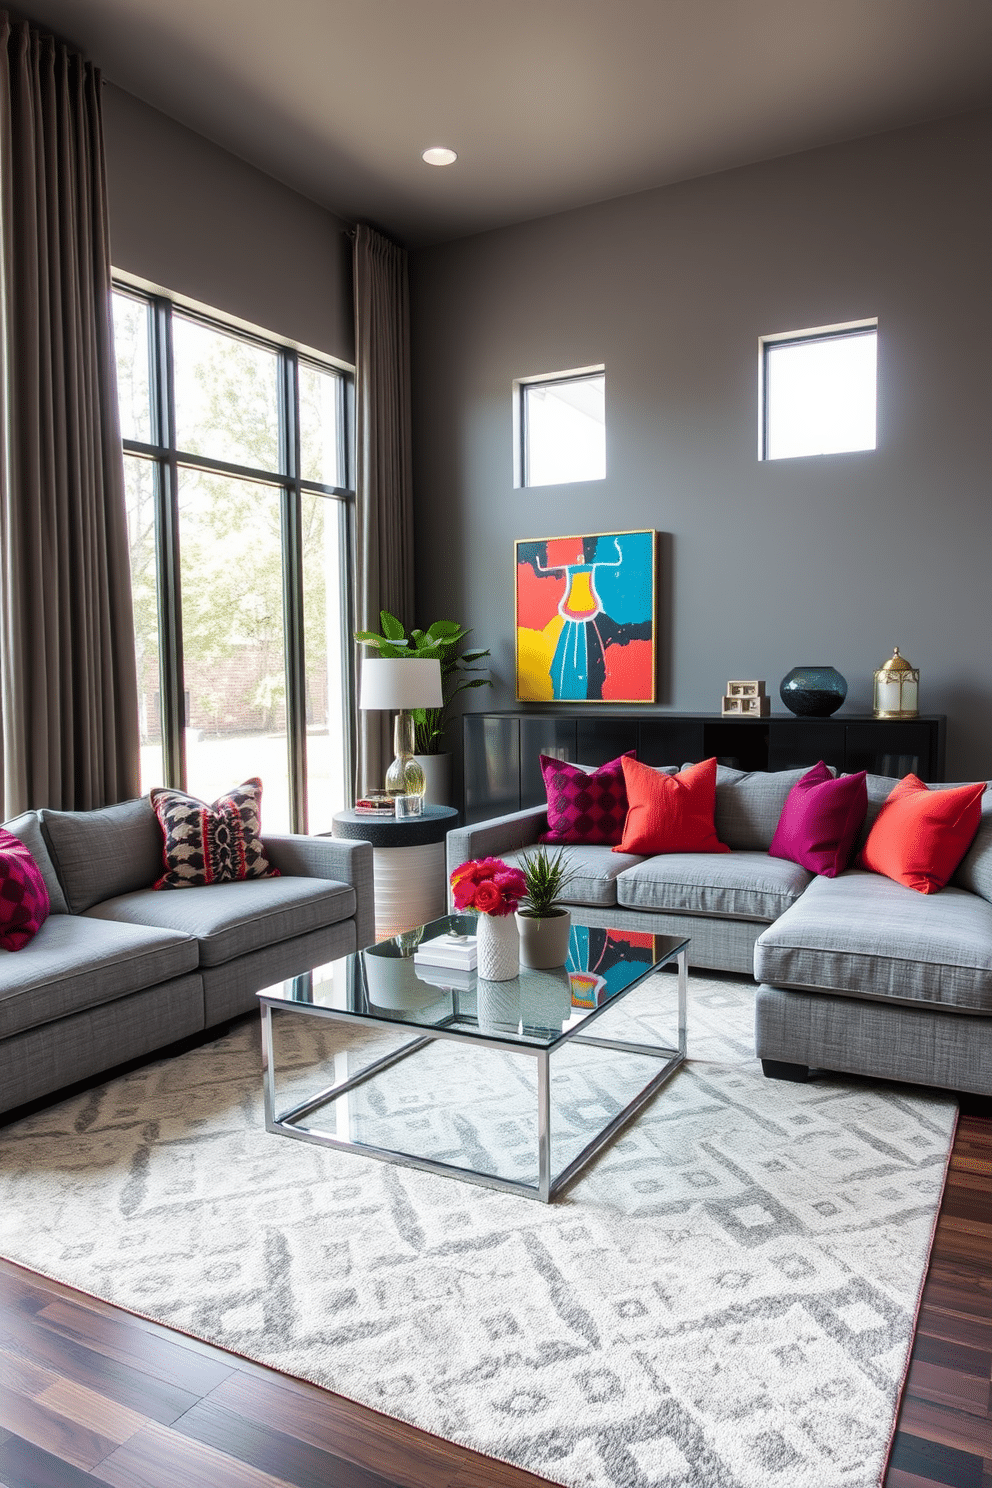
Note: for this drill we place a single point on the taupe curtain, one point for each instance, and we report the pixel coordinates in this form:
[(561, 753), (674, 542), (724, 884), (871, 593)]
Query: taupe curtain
[(68, 703), (384, 473)]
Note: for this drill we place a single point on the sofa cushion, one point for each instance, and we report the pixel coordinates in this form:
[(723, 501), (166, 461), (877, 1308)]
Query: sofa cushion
[(862, 935), (921, 835), (670, 813), (742, 885), (75, 962), (233, 919), (584, 806), (595, 871), (24, 904), (749, 804), (99, 854), (219, 843), (974, 872), (28, 828), (820, 820)]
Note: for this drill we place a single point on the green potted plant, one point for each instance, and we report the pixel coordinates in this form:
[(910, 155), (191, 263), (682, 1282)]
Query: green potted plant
[(441, 642), (544, 923)]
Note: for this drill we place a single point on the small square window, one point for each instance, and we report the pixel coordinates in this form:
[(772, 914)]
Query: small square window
[(819, 391), (561, 428)]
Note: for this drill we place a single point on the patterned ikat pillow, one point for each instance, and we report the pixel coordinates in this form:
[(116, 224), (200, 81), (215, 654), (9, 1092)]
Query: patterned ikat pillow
[(24, 902), (211, 844), (585, 806)]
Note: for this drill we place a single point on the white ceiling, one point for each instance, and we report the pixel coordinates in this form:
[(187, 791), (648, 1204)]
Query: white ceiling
[(550, 104)]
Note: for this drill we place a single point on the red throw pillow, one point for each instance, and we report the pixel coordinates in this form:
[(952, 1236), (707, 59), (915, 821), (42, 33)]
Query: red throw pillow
[(584, 806), (921, 835), (670, 813), (24, 903), (211, 844)]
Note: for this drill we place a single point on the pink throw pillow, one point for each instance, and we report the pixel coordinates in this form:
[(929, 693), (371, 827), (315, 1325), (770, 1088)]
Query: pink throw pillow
[(24, 903), (585, 806), (820, 821)]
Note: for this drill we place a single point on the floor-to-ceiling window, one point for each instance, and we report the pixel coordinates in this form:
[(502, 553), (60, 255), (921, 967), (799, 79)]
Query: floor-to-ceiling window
[(237, 455)]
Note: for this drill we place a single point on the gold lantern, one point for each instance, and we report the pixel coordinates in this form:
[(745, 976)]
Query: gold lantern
[(897, 688)]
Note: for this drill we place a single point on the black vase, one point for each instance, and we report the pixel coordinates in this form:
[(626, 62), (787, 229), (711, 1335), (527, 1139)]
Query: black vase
[(813, 691)]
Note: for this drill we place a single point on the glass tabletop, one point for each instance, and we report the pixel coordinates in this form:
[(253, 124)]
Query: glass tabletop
[(389, 982)]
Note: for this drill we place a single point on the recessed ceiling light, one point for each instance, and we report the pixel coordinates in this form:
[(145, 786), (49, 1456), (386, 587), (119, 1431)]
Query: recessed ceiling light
[(440, 155)]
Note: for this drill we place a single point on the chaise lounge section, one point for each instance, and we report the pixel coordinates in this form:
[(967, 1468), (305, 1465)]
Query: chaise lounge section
[(858, 974)]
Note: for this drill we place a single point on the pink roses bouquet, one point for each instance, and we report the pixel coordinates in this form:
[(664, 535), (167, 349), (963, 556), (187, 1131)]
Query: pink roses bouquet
[(488, 885)]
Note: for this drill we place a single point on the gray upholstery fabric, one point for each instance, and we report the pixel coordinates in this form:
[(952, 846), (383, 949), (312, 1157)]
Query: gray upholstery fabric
[(950, 1050), (880, 787), (717, 945), (738, 885), (749, 804), (595, 870), (232, 989), (974, 872), (333, 858), (35, 1063), (75, 962), (233, 919), (496, 838), (100, 854), (27, 828), (867, 937)]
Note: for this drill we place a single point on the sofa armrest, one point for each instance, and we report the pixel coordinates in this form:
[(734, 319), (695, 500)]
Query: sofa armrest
[(335, 858), (499, 835)]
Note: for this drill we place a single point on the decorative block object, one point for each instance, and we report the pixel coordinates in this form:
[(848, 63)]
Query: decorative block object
[(746, 700)]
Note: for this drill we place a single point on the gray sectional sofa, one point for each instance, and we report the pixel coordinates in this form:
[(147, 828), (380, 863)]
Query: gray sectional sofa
[(120, 969), (856, 974)]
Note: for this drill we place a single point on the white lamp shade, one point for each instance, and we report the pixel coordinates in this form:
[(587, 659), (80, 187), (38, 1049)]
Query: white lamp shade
[(400, 682)]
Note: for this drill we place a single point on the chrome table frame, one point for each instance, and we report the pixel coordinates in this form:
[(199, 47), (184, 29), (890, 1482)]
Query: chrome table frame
[(546, 1187)]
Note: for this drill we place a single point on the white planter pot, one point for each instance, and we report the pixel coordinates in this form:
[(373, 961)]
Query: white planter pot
[(437, 771), (544, 943), (498, 947)]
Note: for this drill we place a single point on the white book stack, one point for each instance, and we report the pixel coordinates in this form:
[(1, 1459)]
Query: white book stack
[(455, 952)]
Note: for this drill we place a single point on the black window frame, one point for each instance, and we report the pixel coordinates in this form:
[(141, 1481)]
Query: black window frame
[(521, 387), (167, 460)]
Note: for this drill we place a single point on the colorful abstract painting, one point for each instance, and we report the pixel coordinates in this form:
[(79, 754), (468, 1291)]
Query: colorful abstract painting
[(586, 618)]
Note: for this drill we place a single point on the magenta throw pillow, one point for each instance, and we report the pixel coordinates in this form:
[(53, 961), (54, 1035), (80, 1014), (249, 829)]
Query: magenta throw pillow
[(585, 807), (820, 821), (24, 903)]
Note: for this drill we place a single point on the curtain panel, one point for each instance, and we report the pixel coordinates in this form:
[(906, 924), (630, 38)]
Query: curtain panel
[(68, 697), (384, 467)]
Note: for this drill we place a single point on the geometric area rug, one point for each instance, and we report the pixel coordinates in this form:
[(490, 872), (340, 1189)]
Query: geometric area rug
[(724, 1299)]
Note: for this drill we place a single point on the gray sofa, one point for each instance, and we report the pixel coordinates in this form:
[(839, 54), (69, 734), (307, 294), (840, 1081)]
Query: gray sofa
[(120, 969), (856, 974)]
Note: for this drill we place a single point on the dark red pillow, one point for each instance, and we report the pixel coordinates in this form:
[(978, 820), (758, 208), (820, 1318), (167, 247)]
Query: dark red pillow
[(585, 807), (24, 903)]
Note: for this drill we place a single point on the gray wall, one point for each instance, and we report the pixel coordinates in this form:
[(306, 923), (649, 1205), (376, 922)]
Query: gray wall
[(190, 217), (831, 560)]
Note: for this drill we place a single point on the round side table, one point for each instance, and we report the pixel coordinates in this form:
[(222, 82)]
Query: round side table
[(408, 864)]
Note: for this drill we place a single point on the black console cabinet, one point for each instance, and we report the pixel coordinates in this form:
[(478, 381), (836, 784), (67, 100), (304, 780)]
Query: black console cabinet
[(502, 750)]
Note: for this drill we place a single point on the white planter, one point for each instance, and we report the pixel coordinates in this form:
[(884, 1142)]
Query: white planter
[(437, 771), (544, 943), (498, 946)]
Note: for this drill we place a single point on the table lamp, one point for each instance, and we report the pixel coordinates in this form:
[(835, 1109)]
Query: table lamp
[(402, 683)]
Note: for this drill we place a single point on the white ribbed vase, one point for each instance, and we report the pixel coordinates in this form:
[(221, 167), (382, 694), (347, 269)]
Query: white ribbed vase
[(497, 947)]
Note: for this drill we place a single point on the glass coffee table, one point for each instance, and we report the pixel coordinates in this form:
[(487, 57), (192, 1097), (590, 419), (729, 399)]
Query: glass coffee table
[(549, 1117)]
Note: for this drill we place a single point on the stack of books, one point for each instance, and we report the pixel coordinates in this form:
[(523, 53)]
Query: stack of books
[(376, 805), (452, 952)]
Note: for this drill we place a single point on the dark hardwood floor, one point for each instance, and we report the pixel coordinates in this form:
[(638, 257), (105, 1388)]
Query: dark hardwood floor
[(90, 1394), (944, 1434)]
